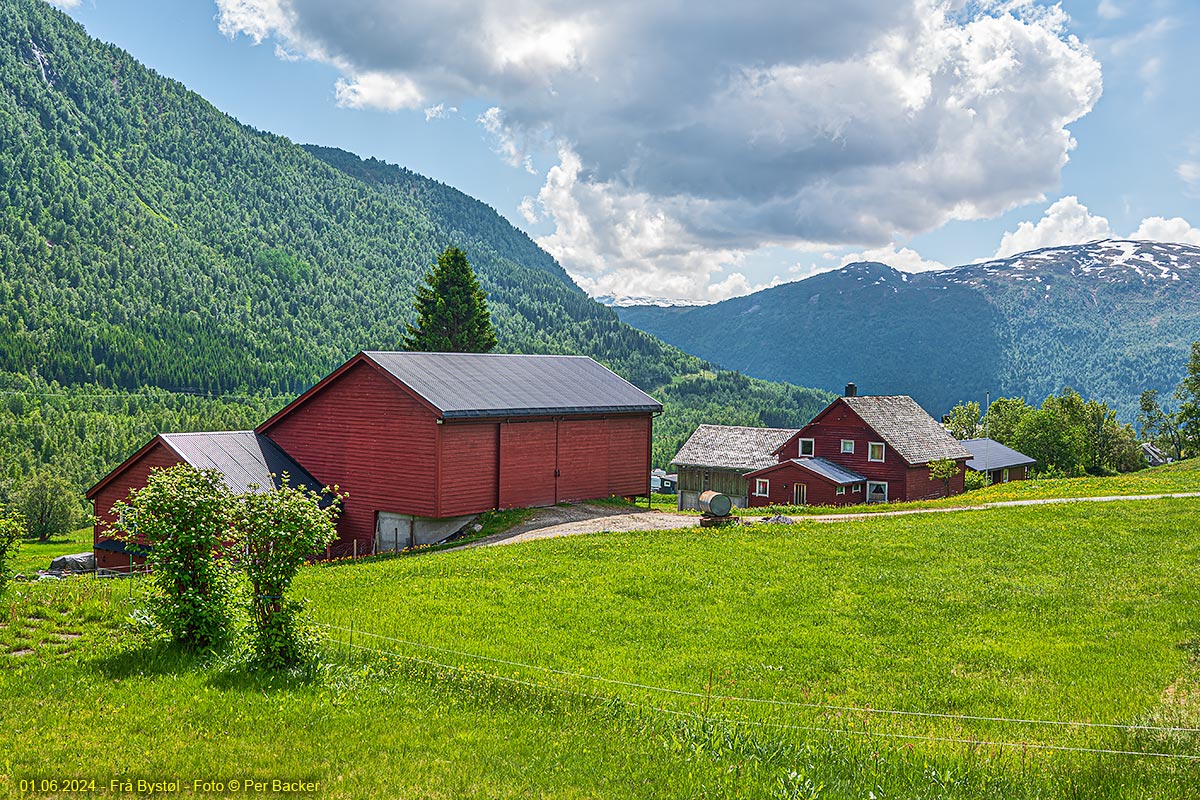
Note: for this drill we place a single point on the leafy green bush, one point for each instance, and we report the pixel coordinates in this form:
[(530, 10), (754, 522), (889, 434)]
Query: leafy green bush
[(182, 517), (279, 530), (974, 480), (11, 528)]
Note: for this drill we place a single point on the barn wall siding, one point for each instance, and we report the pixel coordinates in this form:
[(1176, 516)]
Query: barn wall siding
[(922, 487), (470, 468), (628, 456), (584, 459), (528, 451), (373, 439)]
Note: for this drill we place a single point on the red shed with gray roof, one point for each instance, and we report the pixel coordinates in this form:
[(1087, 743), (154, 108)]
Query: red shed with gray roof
[(245, 460)]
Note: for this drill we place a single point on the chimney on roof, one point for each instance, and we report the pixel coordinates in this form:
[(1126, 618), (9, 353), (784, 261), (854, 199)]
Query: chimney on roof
[(851, 390)]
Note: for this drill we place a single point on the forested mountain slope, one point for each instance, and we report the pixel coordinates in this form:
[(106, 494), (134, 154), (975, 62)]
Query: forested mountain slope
[(1108, 318), (148, 240)]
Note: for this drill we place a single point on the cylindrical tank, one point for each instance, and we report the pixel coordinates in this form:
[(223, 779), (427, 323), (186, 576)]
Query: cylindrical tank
[(715, 503)]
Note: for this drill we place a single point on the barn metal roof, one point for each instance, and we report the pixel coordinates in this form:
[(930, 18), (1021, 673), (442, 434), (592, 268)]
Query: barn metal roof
[(906, 428), (500, 385), (732, 447), (244, 458), (990, 454)]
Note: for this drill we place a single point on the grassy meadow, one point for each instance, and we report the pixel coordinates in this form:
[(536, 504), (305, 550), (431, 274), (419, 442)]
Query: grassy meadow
[(619, 665)]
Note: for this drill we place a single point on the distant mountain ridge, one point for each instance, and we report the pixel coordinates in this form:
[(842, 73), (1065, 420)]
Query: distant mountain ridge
[(1109, 318)]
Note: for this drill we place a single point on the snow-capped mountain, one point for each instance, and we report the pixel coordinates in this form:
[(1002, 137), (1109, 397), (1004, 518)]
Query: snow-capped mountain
[(1109, 318)]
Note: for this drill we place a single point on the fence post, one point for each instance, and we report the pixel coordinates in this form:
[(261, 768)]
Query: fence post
[(356, 549)]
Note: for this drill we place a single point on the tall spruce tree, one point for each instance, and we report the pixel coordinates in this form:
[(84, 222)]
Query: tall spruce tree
[(452, 311)]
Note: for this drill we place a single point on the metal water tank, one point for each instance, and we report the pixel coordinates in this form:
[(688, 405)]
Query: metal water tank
[(715, 503)]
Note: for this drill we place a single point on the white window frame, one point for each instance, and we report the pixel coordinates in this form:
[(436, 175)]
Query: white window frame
[(841, 490), (812, 448), (882, 451), (877, 483), (857, 488), (850, 442), (1004, 479), (762, 487)]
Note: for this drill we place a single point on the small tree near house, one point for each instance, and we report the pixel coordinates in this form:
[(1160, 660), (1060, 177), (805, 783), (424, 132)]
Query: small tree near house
[(279, 530), (452, 310), (944, 470), (49, 504)]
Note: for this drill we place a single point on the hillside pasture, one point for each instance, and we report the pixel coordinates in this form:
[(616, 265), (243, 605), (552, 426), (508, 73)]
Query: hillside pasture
[(465, 673)]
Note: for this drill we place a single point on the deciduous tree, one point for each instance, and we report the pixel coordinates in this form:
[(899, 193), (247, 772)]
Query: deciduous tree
[(11, 529), (963, 421), (944, 470), (49, 504)]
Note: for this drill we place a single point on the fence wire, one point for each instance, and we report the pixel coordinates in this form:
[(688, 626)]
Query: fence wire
[(710, 697)]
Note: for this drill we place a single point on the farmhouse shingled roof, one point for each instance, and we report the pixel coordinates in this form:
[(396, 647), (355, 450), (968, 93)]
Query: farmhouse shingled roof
[(990, 454), (244, 458), (490, 385), (906, 428), (732, 447)]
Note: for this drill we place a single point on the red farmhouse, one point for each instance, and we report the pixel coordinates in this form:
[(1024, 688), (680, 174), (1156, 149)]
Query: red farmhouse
[(423, 441), (871, 449)]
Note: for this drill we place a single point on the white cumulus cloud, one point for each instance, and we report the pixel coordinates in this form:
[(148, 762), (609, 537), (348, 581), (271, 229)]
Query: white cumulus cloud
[(1065, 222), (1176, 229), (693, 134), (903, 258)]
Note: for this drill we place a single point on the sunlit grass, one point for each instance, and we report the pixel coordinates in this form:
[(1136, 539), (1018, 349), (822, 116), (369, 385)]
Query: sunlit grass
[(1084, 613)]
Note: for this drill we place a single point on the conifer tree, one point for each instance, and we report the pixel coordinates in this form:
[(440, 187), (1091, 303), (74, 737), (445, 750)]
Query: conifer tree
[(452, 311)]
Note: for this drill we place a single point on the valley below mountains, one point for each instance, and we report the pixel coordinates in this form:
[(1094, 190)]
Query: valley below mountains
[(1109, 319)]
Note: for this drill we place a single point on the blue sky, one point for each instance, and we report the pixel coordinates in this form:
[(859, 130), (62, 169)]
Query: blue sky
[(706, 154)]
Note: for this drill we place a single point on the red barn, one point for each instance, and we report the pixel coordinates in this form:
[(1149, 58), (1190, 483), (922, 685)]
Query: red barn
[(421, 441), (244, 458)]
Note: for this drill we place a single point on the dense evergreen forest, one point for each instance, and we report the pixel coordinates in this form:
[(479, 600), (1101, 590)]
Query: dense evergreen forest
[(155, 253)]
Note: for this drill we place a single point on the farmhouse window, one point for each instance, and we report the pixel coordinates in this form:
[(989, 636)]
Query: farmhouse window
[(875, 451), (847, 445), (1005, 476), (841, 490), (762, 487), (857, 488), (807, 448)]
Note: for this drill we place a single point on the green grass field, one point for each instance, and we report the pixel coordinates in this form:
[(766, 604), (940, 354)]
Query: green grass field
[(34, 555), (463, 673)]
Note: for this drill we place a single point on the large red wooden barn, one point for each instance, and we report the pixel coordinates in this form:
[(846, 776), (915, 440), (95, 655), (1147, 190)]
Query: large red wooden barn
[(421, 442), (867, 449)]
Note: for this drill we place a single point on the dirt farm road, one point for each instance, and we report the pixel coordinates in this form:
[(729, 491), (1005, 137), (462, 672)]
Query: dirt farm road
[(580, 518)]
